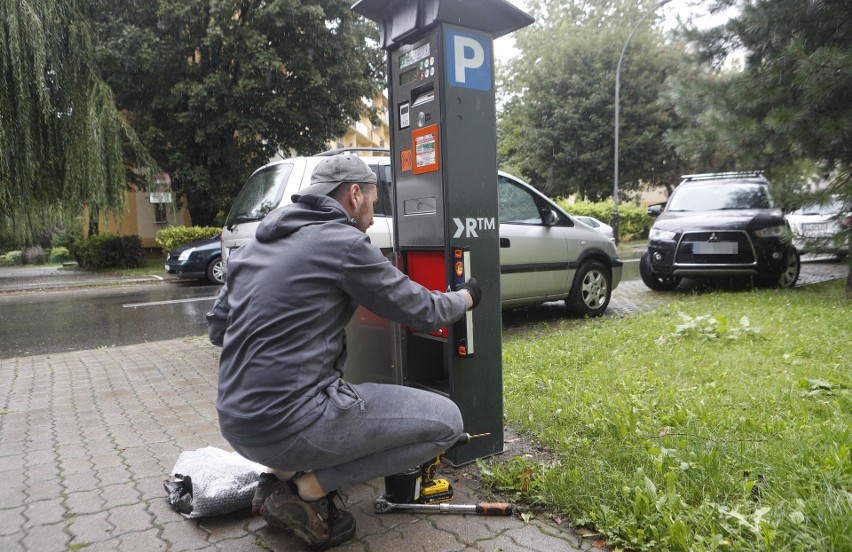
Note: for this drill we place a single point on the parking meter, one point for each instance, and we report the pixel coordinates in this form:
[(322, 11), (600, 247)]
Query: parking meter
[(446, 230)]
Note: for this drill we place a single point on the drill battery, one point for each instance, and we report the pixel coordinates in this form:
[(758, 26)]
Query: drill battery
[(434, 491), (419, 485)]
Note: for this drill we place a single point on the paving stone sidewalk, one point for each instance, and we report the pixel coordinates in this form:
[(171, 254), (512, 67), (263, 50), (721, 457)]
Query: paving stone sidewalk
[(87, 439)]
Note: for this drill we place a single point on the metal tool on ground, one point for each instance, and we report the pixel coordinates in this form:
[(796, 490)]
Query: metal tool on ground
[(418, 489), (382, 505)]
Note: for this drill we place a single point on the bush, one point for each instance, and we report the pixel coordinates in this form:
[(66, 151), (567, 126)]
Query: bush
[(633, 222), (176, 236), (59, 255), (12, 258), (35, 254), (110, 251)]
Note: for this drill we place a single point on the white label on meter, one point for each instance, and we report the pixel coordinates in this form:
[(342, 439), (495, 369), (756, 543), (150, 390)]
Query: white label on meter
[(403, 115)]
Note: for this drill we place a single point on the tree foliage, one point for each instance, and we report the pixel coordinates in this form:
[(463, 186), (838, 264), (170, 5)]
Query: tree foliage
[(60, 134), (557, 126), (790, 100), (217, 87)]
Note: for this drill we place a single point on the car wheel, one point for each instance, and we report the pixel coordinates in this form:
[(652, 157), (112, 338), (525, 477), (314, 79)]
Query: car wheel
[(790, 275), (216, 271), (654, 281), (591, 291)]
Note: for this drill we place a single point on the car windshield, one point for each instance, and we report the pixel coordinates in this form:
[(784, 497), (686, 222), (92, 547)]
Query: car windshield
[(260, 194), (718, 196)]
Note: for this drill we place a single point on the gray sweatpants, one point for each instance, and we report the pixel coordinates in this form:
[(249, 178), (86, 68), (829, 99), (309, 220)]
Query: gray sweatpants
[(367, 431)]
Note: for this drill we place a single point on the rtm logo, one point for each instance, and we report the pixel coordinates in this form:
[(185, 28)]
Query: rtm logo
[(470, 225), (469, 59)]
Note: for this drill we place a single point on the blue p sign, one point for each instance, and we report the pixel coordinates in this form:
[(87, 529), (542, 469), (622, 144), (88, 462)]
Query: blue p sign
[(468, 59)]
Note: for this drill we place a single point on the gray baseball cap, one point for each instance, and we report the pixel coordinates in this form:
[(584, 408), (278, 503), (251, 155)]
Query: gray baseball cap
[(334, 171)]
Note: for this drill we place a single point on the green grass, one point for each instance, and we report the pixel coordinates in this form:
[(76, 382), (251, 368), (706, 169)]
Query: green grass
[(720, 422), (153, 266)]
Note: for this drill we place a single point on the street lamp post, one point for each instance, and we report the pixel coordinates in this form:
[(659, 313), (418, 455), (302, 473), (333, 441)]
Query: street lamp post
[(617, 113)]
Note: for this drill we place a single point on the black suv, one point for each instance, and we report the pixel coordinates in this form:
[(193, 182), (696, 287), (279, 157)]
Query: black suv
[(719, 224)]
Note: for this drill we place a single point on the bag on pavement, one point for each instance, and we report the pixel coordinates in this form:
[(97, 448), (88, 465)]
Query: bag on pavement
[(211, 482)]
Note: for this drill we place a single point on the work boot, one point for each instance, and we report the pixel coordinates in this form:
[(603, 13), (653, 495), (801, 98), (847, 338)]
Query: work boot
[(319, 523), (266, 485)]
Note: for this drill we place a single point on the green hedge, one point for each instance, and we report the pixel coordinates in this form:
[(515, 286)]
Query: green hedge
[(175, 236), (59, 255), (12, 258), (110, 251), (633, 221)]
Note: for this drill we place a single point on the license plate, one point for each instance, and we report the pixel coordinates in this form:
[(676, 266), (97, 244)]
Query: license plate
[(815, 227), (714, 248)]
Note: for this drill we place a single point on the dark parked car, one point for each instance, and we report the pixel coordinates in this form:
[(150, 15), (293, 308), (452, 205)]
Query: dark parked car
[(719, 224), (201, 259)]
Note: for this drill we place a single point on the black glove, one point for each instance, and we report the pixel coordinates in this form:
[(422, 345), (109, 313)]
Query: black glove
[(472, 286)]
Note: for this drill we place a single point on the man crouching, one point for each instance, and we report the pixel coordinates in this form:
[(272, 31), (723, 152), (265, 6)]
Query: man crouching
[(280, 319)]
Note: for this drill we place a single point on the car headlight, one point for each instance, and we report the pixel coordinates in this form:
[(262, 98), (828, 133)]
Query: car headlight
[(657, 234), (186, 253), (771, 232)]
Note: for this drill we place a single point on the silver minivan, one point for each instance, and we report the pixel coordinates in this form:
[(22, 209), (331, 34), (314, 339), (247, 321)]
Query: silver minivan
[(272, 185), (545, 255)]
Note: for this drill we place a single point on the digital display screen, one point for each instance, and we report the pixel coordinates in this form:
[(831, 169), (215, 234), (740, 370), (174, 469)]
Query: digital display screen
[(415, 55), (409, 76)]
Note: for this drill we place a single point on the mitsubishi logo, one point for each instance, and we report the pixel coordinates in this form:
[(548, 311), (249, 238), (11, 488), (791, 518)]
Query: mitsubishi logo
[(713, 237)]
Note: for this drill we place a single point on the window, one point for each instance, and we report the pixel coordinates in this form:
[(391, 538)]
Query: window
[(717, 196), (160, 213), (260, 195), (384, 208), (516, 205)]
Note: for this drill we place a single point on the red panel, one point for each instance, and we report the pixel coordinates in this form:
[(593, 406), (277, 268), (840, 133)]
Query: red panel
[(428, 268)]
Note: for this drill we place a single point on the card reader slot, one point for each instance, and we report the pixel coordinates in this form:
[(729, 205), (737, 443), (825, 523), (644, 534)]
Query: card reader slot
[(422, 94)]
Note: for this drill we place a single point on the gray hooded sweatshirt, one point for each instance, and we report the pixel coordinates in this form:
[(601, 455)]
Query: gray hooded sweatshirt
[(289, 295)]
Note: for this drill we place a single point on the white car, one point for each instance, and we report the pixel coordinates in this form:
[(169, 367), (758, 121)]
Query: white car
[(821, 228), (596, 225), (545, 254)]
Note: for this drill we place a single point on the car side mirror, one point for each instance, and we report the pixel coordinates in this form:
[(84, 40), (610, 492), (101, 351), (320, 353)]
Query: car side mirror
[(655, 210), (550, 218)]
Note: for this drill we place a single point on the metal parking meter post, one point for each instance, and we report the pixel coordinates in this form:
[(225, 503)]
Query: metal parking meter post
[(446, 230)]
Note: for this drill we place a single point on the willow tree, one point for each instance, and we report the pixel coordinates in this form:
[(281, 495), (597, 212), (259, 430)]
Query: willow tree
[(61, 137)]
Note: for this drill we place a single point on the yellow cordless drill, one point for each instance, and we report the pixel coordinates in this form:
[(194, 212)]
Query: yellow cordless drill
[(434, 490)]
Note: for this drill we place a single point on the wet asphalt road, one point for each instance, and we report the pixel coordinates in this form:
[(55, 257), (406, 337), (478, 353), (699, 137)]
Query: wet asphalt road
[(48, 310), (40, 321)]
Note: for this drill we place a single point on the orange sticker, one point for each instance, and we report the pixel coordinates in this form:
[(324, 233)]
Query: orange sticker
[(425, 145), (405, 160)]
